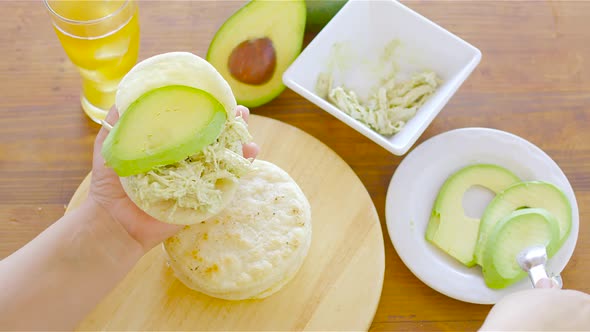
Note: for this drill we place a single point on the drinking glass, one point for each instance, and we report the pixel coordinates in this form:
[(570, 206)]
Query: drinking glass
[(101, 38)]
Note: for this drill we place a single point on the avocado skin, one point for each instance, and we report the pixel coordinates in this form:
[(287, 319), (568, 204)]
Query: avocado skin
[(320, 12)]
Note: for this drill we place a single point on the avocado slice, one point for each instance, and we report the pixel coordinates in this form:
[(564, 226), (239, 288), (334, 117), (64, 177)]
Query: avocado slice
[(514, 233), (449, 228), (532, 194), (163, 126), (255, 46), (320, 12)]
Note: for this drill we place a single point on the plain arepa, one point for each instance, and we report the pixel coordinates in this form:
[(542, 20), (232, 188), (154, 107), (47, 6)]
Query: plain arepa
[(253, 247)]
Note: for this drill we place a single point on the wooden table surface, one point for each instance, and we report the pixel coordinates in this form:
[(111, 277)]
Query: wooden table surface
[(533, 81)]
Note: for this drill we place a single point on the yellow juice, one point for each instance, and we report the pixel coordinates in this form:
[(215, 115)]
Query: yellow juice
[(104, 46)]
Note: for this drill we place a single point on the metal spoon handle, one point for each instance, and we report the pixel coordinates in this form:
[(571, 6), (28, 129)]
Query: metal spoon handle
[(537, 273)]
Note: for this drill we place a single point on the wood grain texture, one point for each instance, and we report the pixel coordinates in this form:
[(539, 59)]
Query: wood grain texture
[(337, 288), (533, 81)]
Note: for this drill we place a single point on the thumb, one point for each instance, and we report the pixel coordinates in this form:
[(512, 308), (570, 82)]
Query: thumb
[(111, 118)]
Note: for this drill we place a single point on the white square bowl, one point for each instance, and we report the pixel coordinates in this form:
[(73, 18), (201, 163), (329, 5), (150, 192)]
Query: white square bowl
[(363, 29)]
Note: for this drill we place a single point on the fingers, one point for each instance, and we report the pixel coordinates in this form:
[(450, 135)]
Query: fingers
[(250, 150), (243, 111)]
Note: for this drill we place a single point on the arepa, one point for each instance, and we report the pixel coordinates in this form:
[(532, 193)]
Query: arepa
[(253, 247), (201, 185)]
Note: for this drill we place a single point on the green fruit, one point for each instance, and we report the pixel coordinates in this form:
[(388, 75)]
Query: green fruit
[(320, 12), (255, 46), (511, 235), (161, 127), (449, 228), (532, 194)]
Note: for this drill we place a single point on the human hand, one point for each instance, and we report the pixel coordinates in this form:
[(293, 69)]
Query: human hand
[(545, 308), (108, 194)]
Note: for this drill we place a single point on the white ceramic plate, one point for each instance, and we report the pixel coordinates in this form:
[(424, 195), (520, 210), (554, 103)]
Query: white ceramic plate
[(416, 183)]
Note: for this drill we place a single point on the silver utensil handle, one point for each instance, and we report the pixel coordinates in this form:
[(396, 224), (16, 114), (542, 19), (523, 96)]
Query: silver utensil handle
[(536, 273)]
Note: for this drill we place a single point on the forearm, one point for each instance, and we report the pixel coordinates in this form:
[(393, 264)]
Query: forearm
[(60, 276)]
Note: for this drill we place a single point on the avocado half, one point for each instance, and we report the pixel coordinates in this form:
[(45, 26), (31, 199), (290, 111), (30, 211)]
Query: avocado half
[(255, 46)]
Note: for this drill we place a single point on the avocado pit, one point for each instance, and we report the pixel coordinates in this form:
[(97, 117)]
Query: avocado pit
[(253, 61)]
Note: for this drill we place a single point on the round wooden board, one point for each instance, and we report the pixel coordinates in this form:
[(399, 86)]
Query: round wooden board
[(338, 287)]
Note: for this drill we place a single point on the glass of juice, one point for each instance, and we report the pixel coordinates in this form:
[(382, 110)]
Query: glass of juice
[(101, 37)]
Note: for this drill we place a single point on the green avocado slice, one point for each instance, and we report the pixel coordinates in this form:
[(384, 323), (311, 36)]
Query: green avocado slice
[(163, 126), (514, 233), (449, 228), (532, 194)]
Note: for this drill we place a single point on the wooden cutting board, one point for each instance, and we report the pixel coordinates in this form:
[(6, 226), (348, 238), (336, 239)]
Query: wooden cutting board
[(337, 288)]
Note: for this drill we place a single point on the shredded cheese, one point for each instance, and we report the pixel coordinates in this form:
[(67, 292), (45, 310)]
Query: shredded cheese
[(390, 107)]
